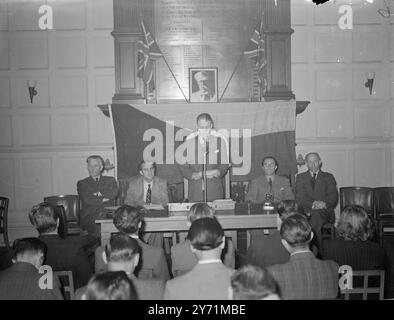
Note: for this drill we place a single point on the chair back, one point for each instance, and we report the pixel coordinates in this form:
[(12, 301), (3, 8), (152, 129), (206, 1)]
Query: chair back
[(384, 202), (368, 287), (71, 204), (62, 230), (123, 185), (145, 274), (66, 282), (4, 220), (360, 196)]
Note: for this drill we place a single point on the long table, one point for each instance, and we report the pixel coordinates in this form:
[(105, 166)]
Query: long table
[(178, 224)]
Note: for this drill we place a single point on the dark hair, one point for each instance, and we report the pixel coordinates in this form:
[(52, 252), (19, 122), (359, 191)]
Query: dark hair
[(355, 224), (43, 217), (296, 230), (287, 208), (33, 245), (96, 157), (200, 210), (121, 248), (269, 157), (143, 161), (127, 218), (253, 283), (206, 117), (111, 285), (205, 234)]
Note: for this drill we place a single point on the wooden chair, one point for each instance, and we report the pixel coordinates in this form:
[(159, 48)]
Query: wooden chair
[(384, 210), (71, 204), (63, 228), (66, 282), (4, 221), (366, 290), (360, 196)]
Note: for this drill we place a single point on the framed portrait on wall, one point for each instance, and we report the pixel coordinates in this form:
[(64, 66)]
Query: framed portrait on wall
[(203, 85)]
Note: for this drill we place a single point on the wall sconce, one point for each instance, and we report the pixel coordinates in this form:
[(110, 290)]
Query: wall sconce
[(369, 84), (31, 84), (108, 165), (300, 160)]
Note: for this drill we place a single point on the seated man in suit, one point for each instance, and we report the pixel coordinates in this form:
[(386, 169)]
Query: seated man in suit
[(63, 254), (95, 192), (183, 259), (110, 285), (210, 278), (303, 276), (267, 250), (148, 189), (269, 183), (128, 220), (21, 281), (253, 283), (122, 254), (317, 194)]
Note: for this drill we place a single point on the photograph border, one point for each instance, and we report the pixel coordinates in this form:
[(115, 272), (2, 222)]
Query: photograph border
[(196, 69)]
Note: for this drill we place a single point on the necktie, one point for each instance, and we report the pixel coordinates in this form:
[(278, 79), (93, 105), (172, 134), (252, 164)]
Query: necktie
[(270, 185), (313, 181), (149, 195), (97, 180)]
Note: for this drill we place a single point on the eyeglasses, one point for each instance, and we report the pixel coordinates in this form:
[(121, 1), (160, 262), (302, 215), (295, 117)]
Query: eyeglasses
[(385, 13)]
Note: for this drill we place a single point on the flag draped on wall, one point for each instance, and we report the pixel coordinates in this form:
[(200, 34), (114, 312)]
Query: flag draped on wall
[(256, 51), (272, 127), (148, 51)]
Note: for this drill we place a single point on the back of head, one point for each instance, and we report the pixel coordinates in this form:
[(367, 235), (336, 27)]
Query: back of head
[(287, 208), (127, 218), (206, 234), (297, 231), (253, 283), (121, 248), (29, 250), (111, 285), (43, 217), (200, 210), (354, 224)]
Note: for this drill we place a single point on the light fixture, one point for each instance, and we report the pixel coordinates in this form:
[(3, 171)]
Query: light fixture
[(300, 160), (31, 84), (369, 83), (385, 12)]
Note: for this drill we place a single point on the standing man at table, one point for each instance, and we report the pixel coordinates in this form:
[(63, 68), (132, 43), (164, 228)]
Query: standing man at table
[(206, 140), (95, 192), (317, 194), (148, 189)]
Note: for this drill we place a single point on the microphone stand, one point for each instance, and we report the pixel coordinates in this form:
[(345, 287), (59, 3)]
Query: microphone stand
[(204, 171)]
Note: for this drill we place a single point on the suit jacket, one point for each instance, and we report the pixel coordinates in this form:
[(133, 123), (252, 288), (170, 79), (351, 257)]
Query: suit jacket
[(135, 192), (215, 188), (306, 277), (92, 205), (68, 254), (183, 259), (266, 251), (148, 289), (325, 190), (20, 282), (151, 258), (360, 255), (259, 187), (204, 282)]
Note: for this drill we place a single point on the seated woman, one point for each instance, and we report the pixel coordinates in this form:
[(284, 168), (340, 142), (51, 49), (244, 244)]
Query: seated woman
[(183, 259), (352, 245)]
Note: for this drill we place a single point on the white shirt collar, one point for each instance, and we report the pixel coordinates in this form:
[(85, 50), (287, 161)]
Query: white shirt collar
[(317, 172), (209, 261), (133, 236), (302, 251)]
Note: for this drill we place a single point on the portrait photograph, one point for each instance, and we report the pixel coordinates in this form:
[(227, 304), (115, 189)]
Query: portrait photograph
[(203, 85)]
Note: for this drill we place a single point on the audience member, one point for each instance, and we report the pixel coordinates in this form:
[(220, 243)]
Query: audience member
[(128, 220), (210, 278), (110, 285), (303, 276), (21, 281), (253, 283), (63, 254), (183, 259)]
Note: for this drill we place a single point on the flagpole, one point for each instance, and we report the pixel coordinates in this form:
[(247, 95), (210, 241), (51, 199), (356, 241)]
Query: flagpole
[(165, 60), (146, 92)]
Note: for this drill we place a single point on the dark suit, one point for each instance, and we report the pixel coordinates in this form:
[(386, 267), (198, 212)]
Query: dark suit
[(325, 190), (68, 254), (151, 258), (259, 187), (266, 251), (215, 188), (92, 205), (21, 282), (306, 277), (204, 282)]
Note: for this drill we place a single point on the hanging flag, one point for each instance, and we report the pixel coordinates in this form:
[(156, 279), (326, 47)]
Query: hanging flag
[(256, 52), (148, 51)]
